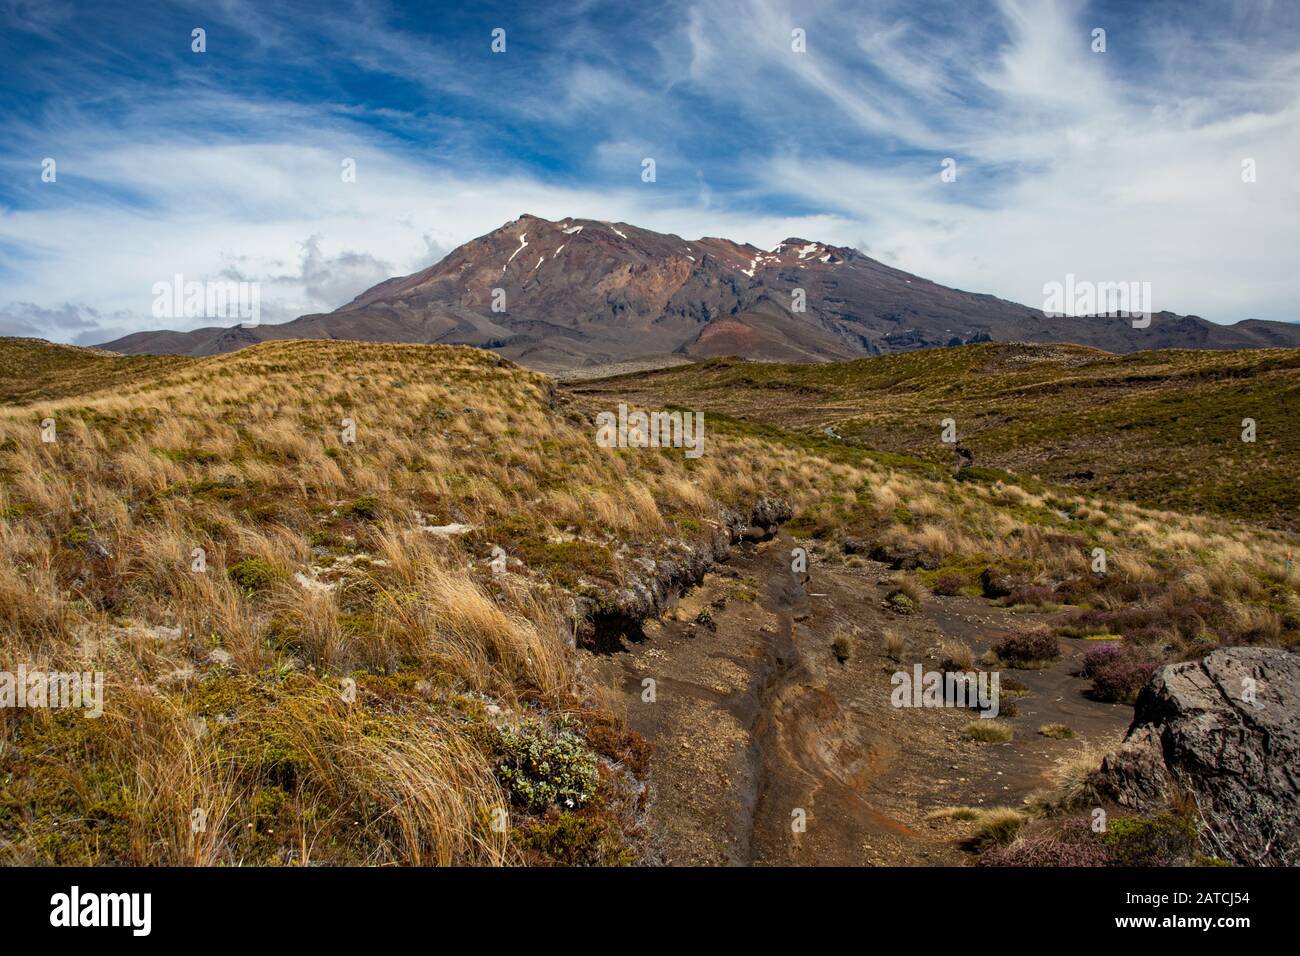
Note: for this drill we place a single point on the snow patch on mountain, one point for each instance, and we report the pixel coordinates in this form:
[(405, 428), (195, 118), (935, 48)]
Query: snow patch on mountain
[(523, 241)]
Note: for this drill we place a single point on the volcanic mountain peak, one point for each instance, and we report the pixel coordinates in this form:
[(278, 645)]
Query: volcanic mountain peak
[(577, 292)]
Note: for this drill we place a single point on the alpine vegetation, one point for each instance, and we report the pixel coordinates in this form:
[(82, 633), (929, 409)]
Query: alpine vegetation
[(53, 689), (639, 429)]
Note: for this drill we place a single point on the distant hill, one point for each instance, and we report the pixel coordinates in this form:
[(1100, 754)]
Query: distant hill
[(580, 292), (1160, 428), (33, 369)]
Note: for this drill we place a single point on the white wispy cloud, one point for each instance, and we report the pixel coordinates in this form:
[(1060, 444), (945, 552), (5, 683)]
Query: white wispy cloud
[(1122, 165)]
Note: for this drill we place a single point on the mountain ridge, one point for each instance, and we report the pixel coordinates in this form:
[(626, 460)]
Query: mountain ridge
[(571, 293)]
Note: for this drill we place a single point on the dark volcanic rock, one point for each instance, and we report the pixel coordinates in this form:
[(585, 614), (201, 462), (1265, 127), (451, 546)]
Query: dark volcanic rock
[(997, 584), (1225, 729), (606, 619), (904, 557), (852, 545), (765, 518)]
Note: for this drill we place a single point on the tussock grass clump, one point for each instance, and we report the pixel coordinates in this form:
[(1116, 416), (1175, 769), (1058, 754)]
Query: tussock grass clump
[(987, 827), (956, 656), (905, 595), (895, 644), (988, 731), (842, 645), (1056, 731)]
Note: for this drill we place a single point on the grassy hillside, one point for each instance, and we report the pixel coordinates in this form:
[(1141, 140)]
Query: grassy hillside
[(326, 561), (349, 679), (32, 369), (1160, 428)]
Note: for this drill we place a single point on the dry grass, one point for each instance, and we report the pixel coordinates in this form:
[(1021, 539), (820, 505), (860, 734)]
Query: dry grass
[(988, 731), (1056, 731), (224, 685), (956, 656), (983, 827), (317, 576), (895, 644)]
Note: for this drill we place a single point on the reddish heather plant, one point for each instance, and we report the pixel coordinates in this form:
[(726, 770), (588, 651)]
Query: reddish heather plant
[(1118, 671), (1046, 850), (1026, 649)]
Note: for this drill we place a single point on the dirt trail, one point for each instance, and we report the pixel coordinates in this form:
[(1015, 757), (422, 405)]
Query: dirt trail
[(769, 750)]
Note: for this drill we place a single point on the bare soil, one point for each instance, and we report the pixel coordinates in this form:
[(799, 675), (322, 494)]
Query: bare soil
[(757, 726)]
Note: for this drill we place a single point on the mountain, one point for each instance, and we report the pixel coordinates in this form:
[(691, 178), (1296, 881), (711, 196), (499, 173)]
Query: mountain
[(582, 292)]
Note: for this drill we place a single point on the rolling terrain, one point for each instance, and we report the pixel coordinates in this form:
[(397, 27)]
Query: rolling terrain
[(581, 292), (1161, 428), (386, 604)]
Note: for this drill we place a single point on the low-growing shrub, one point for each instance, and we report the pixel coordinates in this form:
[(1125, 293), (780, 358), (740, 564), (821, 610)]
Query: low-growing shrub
[(574, 840), (1056, 731), (365, 508), (1033, 649), (1046, 850), (901, 603), (540, 767), (1166, 840), (1031, 595), (1119, 671), (947, 585), (253, 574)]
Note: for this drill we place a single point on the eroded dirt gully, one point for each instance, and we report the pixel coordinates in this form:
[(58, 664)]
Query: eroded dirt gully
[(755, 718)]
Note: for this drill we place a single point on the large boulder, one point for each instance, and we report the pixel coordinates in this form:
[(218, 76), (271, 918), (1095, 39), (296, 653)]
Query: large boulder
[(1225, 731)]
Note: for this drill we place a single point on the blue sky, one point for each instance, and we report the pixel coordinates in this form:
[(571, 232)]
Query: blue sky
[(1115, 166)]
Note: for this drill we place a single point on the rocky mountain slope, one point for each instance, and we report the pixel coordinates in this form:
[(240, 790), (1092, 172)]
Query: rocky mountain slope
[(580, 292)]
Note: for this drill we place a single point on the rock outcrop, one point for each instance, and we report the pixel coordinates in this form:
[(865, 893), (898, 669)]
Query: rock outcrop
[(1226, 731), (653, 584)]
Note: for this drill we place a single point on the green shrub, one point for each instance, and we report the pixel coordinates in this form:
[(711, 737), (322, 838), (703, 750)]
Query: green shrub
[(574, 840), (365, 508), (253, 574), (1165, 840), (540, 767)]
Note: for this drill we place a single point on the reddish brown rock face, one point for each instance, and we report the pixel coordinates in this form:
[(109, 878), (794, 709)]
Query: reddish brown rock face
[(579, 292)]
